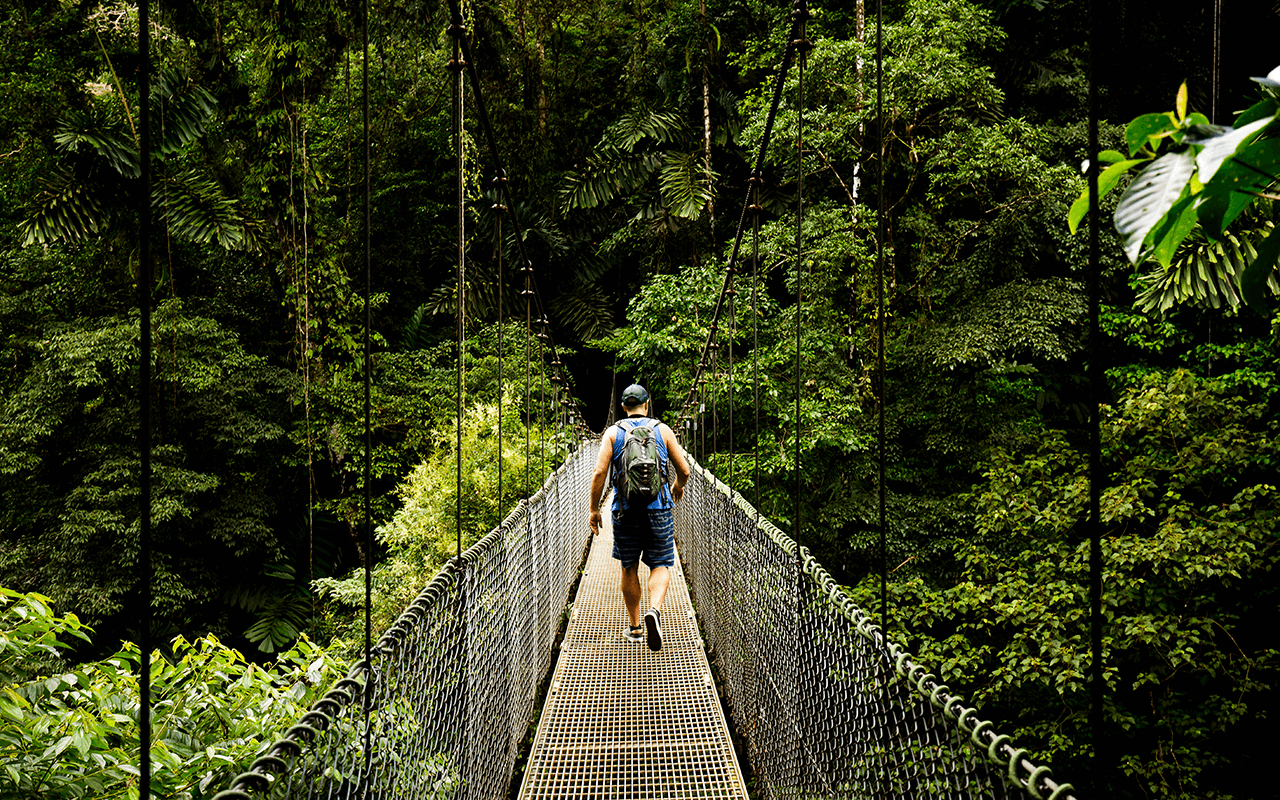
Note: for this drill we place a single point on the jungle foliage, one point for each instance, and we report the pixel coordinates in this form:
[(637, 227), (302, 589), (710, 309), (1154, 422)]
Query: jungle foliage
[(627, 130)]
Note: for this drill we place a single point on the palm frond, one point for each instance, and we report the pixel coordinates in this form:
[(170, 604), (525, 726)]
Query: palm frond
[(185, 110), (67, 210), (279, 622), (1205, 273), (663, 127), (686, 184), (585, 309), (609, 172), (195, 208), (80, 128)]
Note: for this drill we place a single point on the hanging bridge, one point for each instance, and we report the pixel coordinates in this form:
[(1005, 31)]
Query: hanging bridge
[(824, 706)]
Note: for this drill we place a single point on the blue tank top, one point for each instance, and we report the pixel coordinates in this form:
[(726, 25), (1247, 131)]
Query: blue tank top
[(664, 495)]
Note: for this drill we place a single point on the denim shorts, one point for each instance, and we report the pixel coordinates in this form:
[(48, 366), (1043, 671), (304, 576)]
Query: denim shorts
[(644, 534)]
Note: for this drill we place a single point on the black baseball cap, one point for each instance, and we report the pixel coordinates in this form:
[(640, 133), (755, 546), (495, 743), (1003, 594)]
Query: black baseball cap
[(634, 395)]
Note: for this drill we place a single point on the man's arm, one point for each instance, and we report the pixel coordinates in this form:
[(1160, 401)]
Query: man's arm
[(598, 477), (676, 454)]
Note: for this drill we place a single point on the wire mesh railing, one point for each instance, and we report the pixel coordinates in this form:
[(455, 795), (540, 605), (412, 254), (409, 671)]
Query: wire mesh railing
[(455, 678), (827, 709)]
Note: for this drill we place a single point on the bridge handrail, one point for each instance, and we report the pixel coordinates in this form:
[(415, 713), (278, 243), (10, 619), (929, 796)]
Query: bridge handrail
[(917, 697), (433, 646)]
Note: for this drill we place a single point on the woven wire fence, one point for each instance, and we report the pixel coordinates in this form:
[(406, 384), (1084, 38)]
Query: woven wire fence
[(826, 708), (455, 678)]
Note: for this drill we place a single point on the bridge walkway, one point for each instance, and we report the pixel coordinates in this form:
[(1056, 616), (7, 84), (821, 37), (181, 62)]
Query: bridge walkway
[(622, 721)]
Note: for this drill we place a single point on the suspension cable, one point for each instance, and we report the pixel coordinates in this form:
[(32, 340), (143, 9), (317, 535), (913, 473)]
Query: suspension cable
[(802, 46), (880, 315), (1096, 378), (498, 243), (144, 386), (756, 211), (367, 694), (456, 65)]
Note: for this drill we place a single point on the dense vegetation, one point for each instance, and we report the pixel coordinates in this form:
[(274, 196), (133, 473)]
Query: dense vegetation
[(627, 129)]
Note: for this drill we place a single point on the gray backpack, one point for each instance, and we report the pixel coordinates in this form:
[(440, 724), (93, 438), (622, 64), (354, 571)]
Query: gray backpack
[(640, 469)]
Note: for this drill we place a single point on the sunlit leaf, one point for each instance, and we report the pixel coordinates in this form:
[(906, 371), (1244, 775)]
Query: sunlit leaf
[(1150, 196)]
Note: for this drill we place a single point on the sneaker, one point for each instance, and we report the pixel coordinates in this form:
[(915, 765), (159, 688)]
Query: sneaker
[(630, 634), (653, 623)]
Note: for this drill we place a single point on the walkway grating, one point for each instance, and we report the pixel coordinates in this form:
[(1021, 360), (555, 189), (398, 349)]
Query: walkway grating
[(622, 721)]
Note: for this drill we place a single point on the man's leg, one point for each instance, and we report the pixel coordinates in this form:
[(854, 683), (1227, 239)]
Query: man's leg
[(631, 591), (659, 578)]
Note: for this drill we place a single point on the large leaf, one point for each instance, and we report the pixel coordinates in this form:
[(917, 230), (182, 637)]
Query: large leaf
[(1147, 125), (1237, 182), (1174, 228), (1150, 196), (1219, 148), (1106, 182)]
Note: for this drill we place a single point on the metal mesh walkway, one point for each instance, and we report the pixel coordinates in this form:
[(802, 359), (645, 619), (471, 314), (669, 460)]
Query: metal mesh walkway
[(621, 720)]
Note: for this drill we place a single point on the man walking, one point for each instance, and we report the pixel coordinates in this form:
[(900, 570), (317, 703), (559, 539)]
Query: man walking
[(642, 531)]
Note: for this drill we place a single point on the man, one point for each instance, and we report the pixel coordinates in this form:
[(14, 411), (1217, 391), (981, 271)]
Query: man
[(645, 533)]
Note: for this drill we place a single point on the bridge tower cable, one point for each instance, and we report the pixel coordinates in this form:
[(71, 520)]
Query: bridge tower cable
[(144, 391)]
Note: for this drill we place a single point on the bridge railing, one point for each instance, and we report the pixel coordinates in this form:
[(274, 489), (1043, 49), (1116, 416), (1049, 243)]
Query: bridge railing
[(827, 709), (454, 680)]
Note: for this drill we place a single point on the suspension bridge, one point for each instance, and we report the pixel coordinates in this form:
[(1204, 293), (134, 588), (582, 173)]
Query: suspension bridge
[(771, 683), (822, 704)]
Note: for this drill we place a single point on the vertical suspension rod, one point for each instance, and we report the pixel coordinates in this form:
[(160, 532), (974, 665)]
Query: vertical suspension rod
[(801, 46), (456, 65), (367, 694), (1095, 454)]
